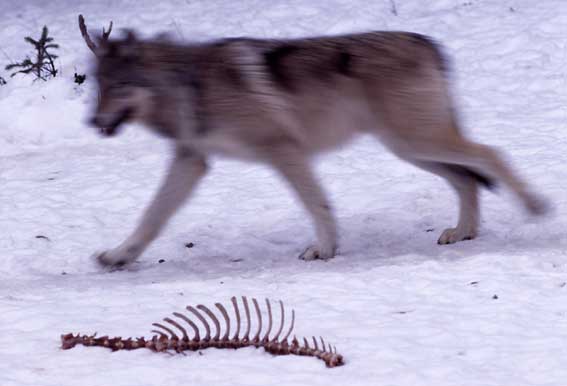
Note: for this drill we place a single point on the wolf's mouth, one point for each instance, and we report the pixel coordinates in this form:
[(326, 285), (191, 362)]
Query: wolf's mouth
[(111, 129)]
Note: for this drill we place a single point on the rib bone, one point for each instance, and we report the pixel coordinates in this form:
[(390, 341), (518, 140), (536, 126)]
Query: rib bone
[(170, 331), (226, 319), (267, 335), (282, 320), (196, 336), (214, 319), (203, 320), (257, 307), (246, 336), (175, 324), (237, 313)]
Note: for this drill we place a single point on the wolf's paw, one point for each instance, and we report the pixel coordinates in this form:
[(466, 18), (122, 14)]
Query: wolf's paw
[(105, 259), (452, 235), (116, 258), (537, 205), (316, 253)]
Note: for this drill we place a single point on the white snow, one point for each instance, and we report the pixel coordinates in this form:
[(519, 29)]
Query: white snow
[(400, 308)]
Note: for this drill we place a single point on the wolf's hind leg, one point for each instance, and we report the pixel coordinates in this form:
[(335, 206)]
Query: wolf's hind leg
[(465, 183)]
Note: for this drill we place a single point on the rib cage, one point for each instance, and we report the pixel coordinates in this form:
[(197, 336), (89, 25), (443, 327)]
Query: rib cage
[(167, 338)]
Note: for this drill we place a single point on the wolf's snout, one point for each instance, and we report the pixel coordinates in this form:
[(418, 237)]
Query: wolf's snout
[(102, 125), (108, 123)]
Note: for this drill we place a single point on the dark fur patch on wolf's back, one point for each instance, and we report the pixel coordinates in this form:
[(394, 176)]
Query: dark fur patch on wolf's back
[(232, 73), (487, 182), (275, 63), (234, 77), (344, 62)]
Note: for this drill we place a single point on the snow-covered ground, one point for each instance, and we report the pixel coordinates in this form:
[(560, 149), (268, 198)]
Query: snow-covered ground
[(400, 308)]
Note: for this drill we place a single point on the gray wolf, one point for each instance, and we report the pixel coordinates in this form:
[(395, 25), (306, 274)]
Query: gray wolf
[(280, 102)]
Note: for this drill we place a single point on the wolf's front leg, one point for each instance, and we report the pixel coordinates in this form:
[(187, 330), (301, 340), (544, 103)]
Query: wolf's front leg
[(295, 168), (184, 173)]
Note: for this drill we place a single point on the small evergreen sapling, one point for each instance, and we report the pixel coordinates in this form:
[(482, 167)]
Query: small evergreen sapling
[(43, 67)]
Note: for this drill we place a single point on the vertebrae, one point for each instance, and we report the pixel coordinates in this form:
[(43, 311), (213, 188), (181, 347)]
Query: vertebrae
[(167, 339)]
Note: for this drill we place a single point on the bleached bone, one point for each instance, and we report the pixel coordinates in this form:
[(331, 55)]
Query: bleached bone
[(196, 335), (246, 336), (175, 324), (291, 325), (257, 307), (213, 318), (167, 340), (282, 320), (202, 320), (170, 331), (237, 313), (226, 319), (267, 335)]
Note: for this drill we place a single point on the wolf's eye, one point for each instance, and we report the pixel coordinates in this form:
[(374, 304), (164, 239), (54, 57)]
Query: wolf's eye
[(120, 85), (119, 89)]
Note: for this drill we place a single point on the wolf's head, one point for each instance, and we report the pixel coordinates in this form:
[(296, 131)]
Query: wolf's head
[(123, 92)]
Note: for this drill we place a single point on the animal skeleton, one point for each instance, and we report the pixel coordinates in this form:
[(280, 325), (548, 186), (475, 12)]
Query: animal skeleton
[(167, 339)]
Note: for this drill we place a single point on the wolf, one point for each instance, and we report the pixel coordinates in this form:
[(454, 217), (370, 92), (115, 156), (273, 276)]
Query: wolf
[(281, 102)]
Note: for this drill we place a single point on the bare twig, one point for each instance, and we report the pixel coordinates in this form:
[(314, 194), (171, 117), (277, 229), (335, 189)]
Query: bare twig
[(5, 54), (177, 29), (393, 7)]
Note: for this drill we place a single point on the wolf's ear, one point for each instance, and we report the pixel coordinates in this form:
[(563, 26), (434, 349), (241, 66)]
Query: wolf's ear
[(129, 47), (164, 37), (131, 37)]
